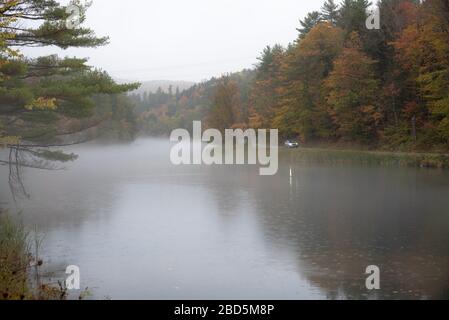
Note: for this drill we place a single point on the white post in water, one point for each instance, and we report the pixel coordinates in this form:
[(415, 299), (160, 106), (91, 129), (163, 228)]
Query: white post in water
[(291, 176)]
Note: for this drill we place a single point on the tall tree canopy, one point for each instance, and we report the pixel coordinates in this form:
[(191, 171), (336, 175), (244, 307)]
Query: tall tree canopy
[(306, 66), (226, 108), (329, 12), (307, 24), (267, 87), (352, 89)]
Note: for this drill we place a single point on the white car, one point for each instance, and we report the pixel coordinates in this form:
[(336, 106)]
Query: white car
[(291, 144)]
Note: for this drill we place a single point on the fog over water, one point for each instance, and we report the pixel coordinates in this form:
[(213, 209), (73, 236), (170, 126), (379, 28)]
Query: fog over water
[(139, 227)]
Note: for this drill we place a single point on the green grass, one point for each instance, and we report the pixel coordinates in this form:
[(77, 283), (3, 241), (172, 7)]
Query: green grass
[(332, 156)]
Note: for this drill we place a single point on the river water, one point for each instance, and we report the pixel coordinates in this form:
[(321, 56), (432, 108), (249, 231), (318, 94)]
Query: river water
[(141, 228)]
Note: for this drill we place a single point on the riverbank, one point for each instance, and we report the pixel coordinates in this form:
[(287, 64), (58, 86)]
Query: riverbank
[(14, 261), (383, 158), (19, 268)]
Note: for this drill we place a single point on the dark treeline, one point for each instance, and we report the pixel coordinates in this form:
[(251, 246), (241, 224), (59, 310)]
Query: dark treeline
[(338, 82), (150, 100)]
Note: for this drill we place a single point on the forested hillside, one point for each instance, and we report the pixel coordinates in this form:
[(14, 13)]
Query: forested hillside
[(162, 111), (338, 82)]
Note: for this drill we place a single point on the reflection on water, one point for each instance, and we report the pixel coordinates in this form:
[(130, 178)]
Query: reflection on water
[(139, 227)]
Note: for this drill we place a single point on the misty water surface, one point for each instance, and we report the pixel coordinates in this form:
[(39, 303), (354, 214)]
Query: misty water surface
[(139, 227)]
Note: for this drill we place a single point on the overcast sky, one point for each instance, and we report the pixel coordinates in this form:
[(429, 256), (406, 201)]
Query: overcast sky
[(186, 39)]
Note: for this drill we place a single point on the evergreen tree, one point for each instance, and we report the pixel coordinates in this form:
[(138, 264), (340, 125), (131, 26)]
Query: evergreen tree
[(352, 16), (40, 96), (329, 12), (310, 21)]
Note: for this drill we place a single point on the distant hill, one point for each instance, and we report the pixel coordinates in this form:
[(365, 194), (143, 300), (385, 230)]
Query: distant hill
[(153, 85), (160, 113)]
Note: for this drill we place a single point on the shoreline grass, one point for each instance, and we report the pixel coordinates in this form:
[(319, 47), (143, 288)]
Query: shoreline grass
[(19, 269), (381, 158), (14, 260)]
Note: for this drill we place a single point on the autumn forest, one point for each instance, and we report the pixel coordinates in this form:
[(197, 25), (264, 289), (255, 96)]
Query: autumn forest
[(338, 83)]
